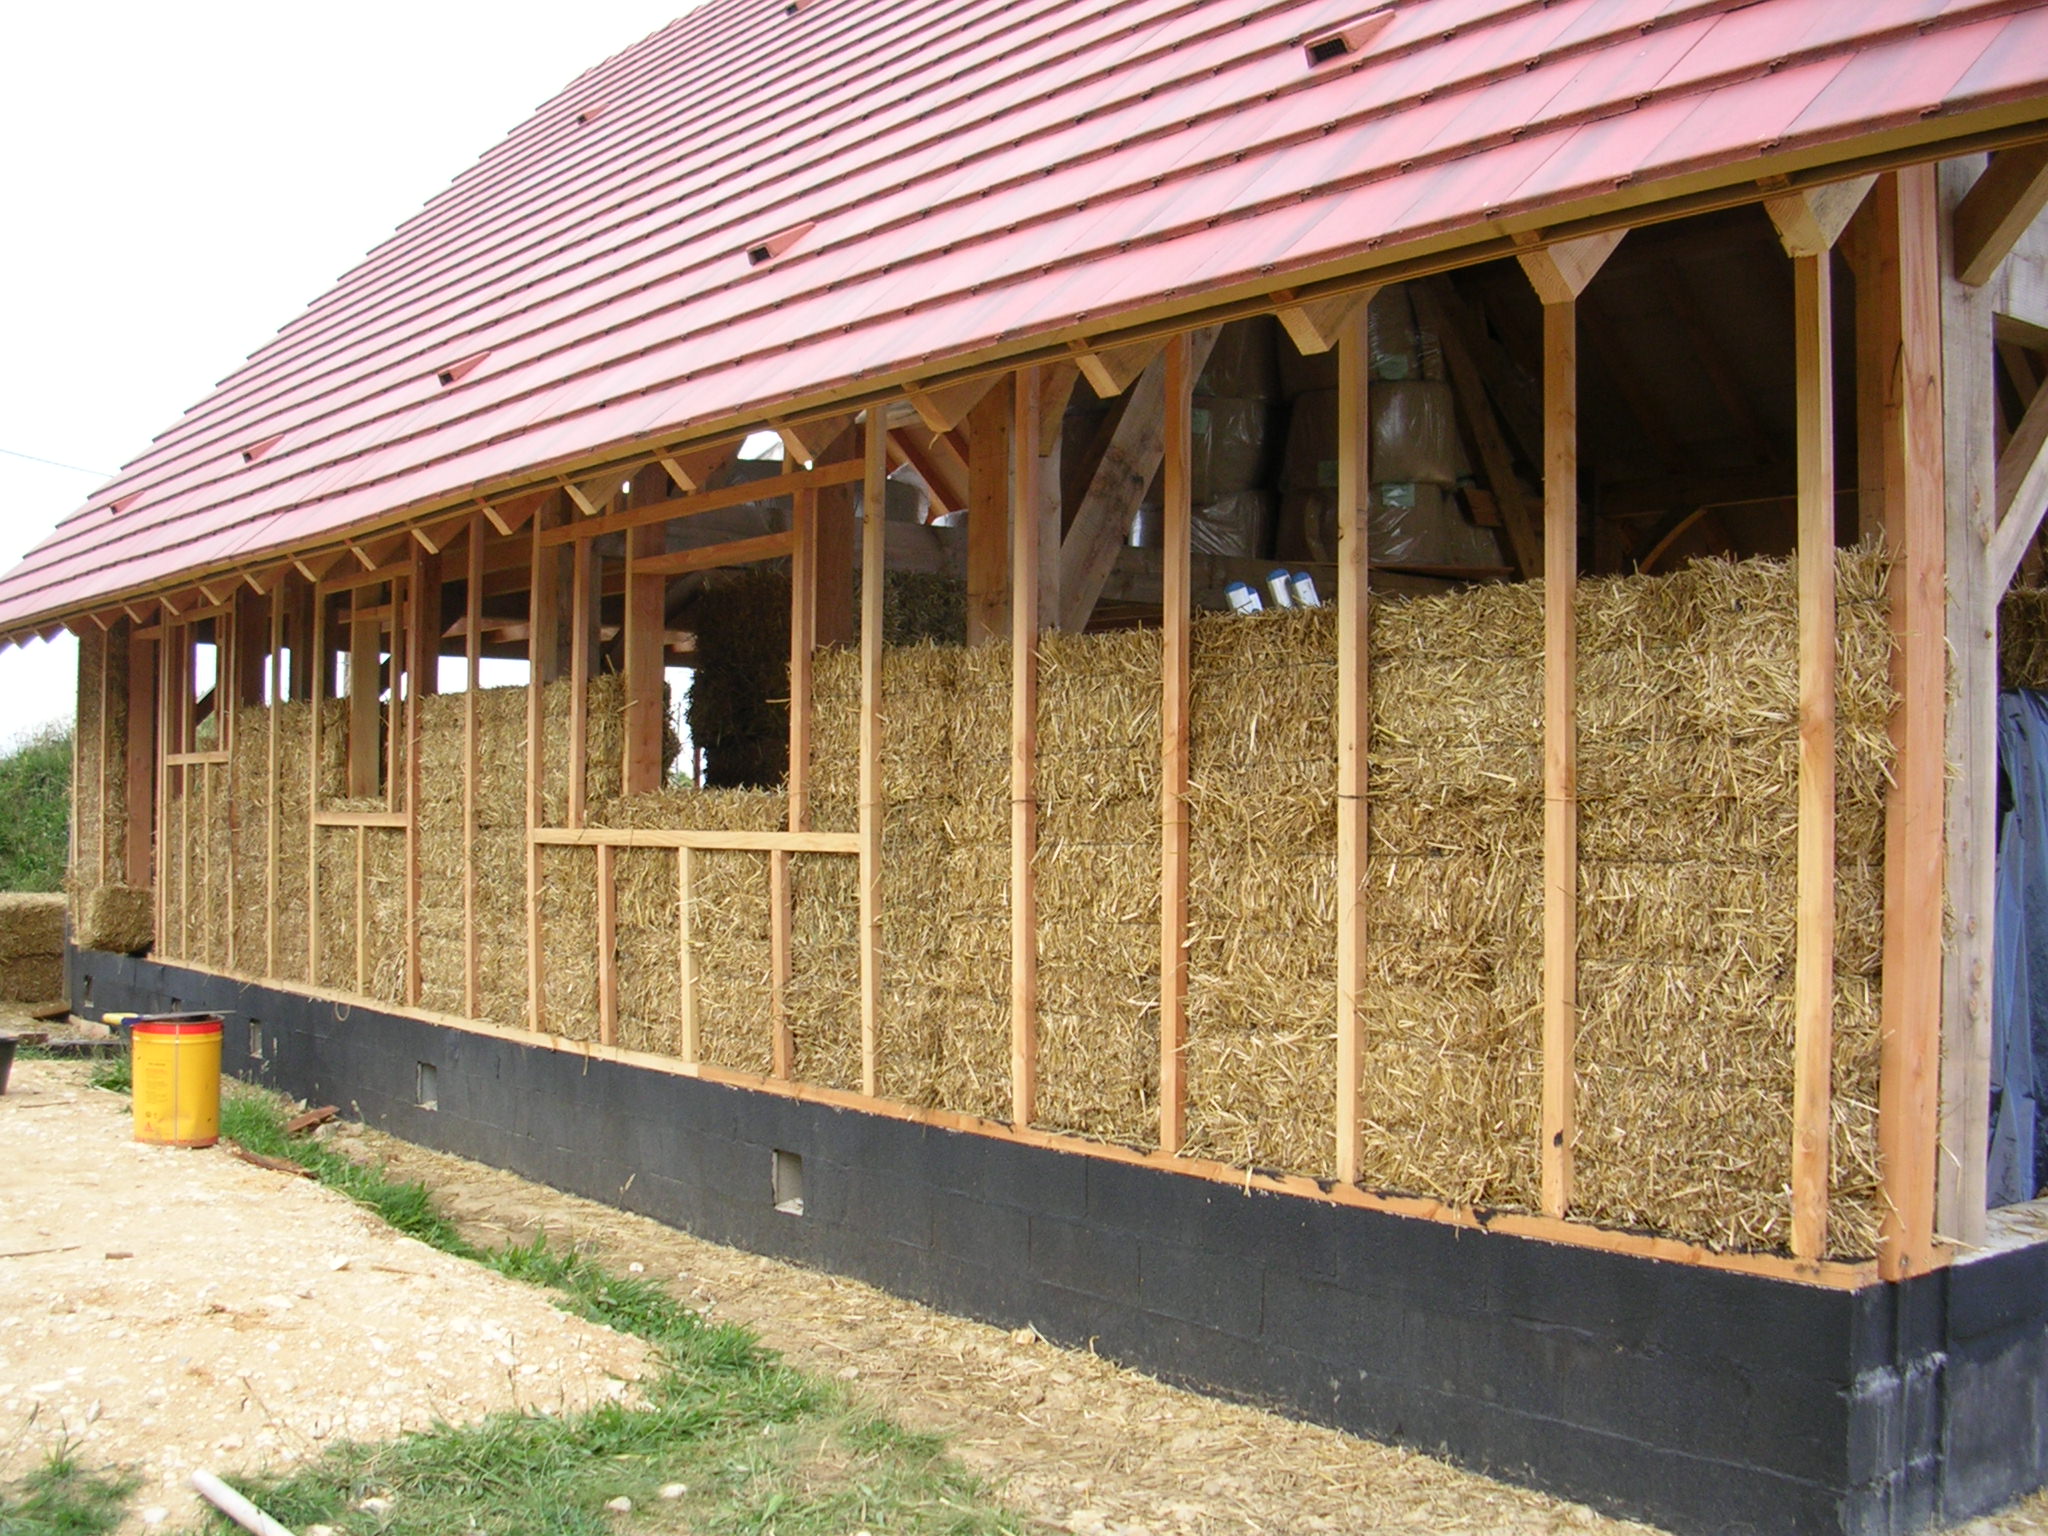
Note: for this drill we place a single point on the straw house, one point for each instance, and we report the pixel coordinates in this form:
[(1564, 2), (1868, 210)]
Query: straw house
[(710, 670)]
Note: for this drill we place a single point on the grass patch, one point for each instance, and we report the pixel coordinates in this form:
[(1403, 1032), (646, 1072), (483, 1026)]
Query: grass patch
[(63, 1498), (115, 1073), (35, 786), (761, 1448)]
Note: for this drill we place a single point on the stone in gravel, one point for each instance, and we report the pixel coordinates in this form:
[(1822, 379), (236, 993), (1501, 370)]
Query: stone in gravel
[(619, 1506), (674, 1490)]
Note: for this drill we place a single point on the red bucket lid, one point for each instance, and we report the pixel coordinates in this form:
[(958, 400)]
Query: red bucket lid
[(175, 1024)]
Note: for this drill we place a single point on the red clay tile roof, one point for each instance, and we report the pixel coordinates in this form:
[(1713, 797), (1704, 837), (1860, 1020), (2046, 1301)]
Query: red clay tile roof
[(935, 179)]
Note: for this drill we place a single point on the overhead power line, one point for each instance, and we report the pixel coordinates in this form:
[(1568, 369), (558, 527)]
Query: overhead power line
[(36, 458)]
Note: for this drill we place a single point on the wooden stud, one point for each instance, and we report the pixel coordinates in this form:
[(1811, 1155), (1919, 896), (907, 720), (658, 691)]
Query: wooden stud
[(273, 782), (1176, 598), (607, 945), (803, 618), (229, 676), (422, 656), (541, 642), (834, 472), (1871, 244), (988, 517), (686, 977), (1814, 965), (1911, 1006), (167, 743), (472, 646), (1560, 753), (582, 621), (2000, 208), (1354, 725), (1969, 471), (645, 616), (1025, 531), (319, 668), (362, 911), (2020, 491), (874, 523)]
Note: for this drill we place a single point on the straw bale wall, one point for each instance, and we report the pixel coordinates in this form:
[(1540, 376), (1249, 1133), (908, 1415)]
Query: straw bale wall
[(106, 913), (1688, 740), (2023, 638)]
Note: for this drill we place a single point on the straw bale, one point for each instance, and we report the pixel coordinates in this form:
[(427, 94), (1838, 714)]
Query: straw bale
[(384, 910), (500, 854), (335, 861), (294, 744), (31, 926), (120, 919), (32, 979), (2023, 638), (90, 862), (249, 777)]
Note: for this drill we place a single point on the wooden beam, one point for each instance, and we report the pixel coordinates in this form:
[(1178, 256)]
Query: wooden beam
[(944, 408), (803, 615), (806, 441), (273, 783), (1436, 308), (472, 655), (988, 516), (1560, 747), (938, 465), (543, 619), (1872, 248), (1970, 490), (645, 621), (362, 911), (1811, 219), (687, 1033), (1056, 383), (1354, 725), (607, 945), (1559, 273), (1911, 1007), (693, 469), (1813, 986), (1027, 399), (1315, 326), (1111, 371), (698, 502), (835, 624), (582, 655), (1178, 380), (320, 673), (1102, 523), (2021, 491), (874, 520), (422, 661), (438, 538), (711, 557), (847, 843), (1990, 219)]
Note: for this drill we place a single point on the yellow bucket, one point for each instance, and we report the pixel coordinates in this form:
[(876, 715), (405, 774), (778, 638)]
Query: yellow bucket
[(176, 1073)]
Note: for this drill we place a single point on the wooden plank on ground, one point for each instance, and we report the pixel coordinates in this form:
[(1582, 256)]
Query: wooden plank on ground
[(1025, 524), (1911, 1006), (1177, 379), (1354, 723)]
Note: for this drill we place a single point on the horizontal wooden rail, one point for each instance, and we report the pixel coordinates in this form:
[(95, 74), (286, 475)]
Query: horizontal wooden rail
[(350, 581), (193, 759), (684, 837), (397, 819), (706, 501), (767, 546)]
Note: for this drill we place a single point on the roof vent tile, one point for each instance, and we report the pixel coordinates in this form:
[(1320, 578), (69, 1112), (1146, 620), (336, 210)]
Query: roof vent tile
[(1348, 40), (256, 450), (591, 113), (461, 369), (767, 250)]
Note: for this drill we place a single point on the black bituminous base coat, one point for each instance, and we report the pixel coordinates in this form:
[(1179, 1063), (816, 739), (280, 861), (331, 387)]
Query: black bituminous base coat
[(1701, 1400)]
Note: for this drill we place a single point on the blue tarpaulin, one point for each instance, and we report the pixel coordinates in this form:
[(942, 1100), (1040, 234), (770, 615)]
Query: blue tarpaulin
[(2019, 1008)]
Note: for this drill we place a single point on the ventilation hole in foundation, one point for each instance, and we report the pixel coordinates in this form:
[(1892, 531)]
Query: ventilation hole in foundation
[(177, 1005), (789, 1182), (255, 1039), (426, 1092), (85, 987)]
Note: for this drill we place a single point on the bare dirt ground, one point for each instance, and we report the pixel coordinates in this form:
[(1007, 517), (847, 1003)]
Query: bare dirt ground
[(169, 1309)]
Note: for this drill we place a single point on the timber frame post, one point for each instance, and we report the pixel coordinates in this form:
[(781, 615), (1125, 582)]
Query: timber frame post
[(1559, 274), (1910, 1032), (1026, 535), (1354, 719), (1808, 226), (1176, 599), (873, 549)]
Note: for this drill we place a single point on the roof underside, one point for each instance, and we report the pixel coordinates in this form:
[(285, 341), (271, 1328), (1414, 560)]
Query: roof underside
[(977, 176)]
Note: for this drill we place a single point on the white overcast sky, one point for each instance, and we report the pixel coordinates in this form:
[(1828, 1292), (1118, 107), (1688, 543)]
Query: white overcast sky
[(182, 179)]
